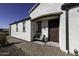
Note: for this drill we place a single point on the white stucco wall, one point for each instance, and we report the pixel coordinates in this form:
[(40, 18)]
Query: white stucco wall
[(20, 34), (33, 29), (74, 29), (45, 8), (62, 32)]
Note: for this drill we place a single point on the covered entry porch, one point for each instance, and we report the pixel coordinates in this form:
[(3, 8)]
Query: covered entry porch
[(46, 28)]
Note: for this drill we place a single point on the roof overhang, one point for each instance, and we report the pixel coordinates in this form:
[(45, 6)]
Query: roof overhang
[(47, 15), (67, 6), (34, 7)]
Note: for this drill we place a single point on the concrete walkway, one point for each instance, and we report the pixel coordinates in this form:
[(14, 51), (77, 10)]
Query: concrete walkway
[(49, 43), (34, 49)]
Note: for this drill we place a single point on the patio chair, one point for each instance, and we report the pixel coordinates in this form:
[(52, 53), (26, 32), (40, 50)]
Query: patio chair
[(39, 37)]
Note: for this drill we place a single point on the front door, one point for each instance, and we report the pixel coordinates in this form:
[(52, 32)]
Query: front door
[(54, 30)]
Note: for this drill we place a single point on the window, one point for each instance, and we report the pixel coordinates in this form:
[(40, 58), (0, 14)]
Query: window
[(24, 26), (17, 27)]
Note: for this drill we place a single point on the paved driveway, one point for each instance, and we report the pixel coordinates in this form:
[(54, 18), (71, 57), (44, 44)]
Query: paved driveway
[(34, 49)]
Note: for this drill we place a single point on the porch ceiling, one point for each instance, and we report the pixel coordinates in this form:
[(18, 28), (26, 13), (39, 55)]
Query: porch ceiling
[(47, 16)]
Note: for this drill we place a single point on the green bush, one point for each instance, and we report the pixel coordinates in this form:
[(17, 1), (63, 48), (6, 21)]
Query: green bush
[(3, 38)]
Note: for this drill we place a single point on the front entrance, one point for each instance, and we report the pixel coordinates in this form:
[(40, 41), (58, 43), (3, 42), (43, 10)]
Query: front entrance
[(53, 30)]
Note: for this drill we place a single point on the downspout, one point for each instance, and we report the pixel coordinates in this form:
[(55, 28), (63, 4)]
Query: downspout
[(67, 30)]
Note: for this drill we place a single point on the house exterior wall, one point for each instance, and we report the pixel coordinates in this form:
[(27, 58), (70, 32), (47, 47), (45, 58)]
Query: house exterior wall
[(42, 9), (45, 8), (33, 29), (20, 34), (31, 26), (74, 29), (62, 32)]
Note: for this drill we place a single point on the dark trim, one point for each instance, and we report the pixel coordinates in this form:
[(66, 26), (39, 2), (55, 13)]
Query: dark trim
[(28, 18), (47, 15), (34, 7), (66, 6), (67, 30)]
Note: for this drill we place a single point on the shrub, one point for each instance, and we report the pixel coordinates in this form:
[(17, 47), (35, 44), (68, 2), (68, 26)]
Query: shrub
[(3, 38)]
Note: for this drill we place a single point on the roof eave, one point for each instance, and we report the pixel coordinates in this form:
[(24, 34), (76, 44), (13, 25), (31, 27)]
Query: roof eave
[(47, 15), (67, 6), (34, 7)]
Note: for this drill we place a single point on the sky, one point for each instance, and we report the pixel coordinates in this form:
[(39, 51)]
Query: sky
[(10, 12)]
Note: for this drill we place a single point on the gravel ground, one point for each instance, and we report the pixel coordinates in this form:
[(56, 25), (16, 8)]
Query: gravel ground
[(17, 47)]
